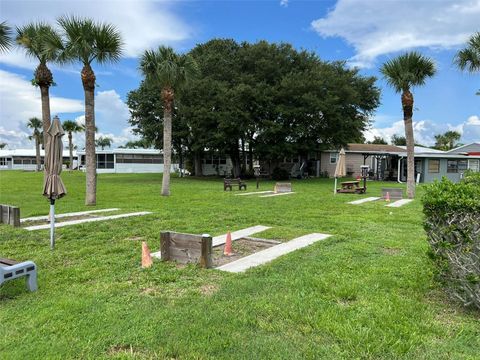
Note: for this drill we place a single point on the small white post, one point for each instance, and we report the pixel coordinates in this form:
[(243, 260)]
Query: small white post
[(335, 188), (52, 224)]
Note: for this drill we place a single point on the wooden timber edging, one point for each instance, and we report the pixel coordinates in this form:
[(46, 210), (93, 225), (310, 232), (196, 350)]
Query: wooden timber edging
[(10, 215), (186, 248)]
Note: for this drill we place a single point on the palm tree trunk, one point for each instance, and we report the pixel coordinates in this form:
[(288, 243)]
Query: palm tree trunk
[(37, 152), (167, 150), (88, 79), (407, 103), (70, 148), (45, 98), (44, 78)]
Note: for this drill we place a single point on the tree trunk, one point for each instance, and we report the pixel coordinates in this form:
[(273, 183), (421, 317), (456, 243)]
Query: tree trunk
[(70, 148), (45, 98), (167, 150), (37, 152), (44, 79), (167, 97), (198, 164), (250, 154), (244, 157), (180, 162), (407, 104), (88, 79)]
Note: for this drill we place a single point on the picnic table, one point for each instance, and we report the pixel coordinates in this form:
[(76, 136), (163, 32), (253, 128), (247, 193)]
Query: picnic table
[(352, 187)]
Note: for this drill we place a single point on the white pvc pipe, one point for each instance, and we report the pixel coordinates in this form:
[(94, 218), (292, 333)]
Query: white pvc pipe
[(52, 226), (399, 170)]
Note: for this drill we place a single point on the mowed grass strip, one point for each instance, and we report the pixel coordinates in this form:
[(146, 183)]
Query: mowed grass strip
[(366, 292)]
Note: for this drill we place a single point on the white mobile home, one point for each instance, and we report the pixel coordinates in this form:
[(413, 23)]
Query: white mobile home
[(25, 159), (127, 161)]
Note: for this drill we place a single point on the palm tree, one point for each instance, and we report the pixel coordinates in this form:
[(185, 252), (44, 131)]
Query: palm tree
[(402, 73), (36, 124), (168, 72), (71, 127), (87, 41), (34, 38), (5, 37), (469, 58), (104, 142)]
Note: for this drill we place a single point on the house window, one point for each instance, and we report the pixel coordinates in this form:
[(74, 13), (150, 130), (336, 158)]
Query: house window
[(333, 158), (433, 166), (3, 162), (138, 159), (462, 165), (474, 165), (105, 161), (452, 166)]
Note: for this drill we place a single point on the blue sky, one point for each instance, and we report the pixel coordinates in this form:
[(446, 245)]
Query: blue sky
[(364, 33)]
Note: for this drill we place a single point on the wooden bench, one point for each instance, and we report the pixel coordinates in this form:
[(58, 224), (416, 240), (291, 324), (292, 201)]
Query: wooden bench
[(11, 269), (10, 215), (282, 188), (394, 193), (227, 184), (186, 248)]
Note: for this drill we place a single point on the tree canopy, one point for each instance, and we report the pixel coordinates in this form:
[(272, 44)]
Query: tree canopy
[(399, 140), (260, 100), (447, 141)]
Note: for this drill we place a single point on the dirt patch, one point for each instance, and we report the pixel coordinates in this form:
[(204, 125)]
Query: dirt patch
[(241, 248), (208, 289), (135, 238), (391, 251)]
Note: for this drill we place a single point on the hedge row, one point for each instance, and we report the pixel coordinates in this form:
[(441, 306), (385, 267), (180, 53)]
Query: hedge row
[(452, 223)]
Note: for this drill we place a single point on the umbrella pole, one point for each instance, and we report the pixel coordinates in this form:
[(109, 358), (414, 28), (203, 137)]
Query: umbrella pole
[(52, 224), (335, 188)]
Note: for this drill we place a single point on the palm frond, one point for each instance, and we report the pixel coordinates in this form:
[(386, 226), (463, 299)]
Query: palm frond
[(71, 126), (37, 39), (165, 68), (86, 40), (469, 58), (5, 36), (408, 70)]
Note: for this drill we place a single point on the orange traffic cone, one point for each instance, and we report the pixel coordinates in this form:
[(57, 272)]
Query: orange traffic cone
[(227, 251), (146, 258), (387, 197)]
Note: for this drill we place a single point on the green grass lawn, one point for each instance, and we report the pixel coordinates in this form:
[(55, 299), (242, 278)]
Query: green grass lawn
[(366, 292)]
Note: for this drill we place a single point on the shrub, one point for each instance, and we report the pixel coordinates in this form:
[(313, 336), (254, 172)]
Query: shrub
[(471, 177), (280, 174), (452, 223)]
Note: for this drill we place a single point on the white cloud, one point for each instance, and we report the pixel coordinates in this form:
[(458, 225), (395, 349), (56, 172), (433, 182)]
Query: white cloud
[(376, 28), (425, 130), (111, 112), (471, 129), (284, 3), (19, 101), (143, 24)]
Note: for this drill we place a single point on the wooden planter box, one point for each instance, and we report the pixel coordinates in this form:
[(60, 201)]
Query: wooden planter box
[(10, 215), (186, 248)]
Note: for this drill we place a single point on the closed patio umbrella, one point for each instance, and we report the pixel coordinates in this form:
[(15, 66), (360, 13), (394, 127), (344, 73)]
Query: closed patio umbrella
[(340, 170), (53, 187)]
